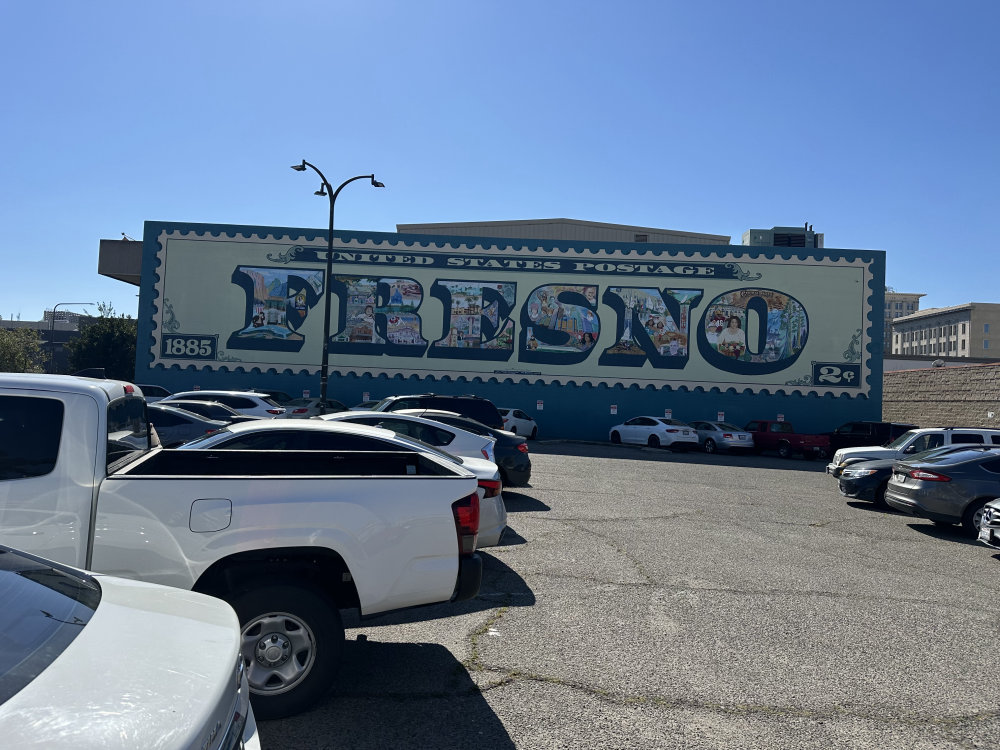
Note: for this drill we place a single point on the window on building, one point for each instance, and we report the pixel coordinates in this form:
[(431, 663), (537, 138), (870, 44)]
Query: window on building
[(961, 345), (986, 327), (986, 343), (963, 329), (899, 305), (909, 305)]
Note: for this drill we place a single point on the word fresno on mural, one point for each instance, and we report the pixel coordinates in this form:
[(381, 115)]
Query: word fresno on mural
[(706, 315)]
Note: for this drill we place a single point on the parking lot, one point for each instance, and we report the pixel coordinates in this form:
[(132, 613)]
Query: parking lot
[(648, 599)]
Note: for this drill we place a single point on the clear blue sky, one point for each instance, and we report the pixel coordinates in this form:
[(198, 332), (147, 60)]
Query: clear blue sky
[(876, 122)]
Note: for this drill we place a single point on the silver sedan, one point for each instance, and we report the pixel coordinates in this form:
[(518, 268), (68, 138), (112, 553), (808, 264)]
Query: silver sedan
[(716, 436)]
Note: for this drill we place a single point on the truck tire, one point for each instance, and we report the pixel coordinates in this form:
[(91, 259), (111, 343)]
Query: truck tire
[(784, 450), (293, 640)]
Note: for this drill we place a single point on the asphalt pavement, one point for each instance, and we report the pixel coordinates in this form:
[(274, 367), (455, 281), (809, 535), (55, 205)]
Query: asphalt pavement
[(649, 599)]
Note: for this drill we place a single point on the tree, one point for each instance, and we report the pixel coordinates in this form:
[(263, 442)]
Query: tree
[(20, 350), (107, 341)]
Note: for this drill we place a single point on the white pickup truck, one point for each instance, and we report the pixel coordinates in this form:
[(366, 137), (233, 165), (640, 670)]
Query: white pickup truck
[(287, 538)]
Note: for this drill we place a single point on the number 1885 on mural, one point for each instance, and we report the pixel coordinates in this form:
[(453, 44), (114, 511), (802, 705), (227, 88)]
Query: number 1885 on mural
[(189, 346)]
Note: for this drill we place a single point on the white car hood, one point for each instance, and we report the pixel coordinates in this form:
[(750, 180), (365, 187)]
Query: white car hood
[(872, 451), (149, 671)]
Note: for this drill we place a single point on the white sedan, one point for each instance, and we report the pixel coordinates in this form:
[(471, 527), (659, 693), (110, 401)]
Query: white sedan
[(96, 661), (518, 422), (454, 440), (655, 432), (331, 434)]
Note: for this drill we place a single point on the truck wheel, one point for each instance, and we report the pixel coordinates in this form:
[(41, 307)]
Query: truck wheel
[(973, 516), (709, 445), (293, 640), (784, 450)]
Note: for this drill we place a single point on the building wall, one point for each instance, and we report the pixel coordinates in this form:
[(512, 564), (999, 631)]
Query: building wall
[(971, 330), (508, 319), (944, 396), (897, 305)]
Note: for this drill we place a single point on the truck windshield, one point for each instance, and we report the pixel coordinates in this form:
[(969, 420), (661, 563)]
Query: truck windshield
[(128, 429), (901, 440)]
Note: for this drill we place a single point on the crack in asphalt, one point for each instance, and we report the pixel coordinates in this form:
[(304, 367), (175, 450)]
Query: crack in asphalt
[(474, 663)]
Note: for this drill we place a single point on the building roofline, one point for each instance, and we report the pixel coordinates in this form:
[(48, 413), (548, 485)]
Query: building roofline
[(404, 228)]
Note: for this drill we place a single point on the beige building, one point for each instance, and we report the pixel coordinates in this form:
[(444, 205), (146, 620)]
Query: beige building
[(969, 330), (897, 304), (565, 229)]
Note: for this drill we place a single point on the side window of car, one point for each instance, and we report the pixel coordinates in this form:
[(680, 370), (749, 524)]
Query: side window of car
[(992, 466), (273, 440), (632, 422), (401, 426), (777, 427), (165, 419), (995, 439), (966, 437), (335, 441), (926, 442), (434, 435)]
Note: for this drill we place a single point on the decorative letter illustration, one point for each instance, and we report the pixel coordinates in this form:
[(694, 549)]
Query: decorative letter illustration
[(559, 324), (653, 324), (278, 301), (477, 320)]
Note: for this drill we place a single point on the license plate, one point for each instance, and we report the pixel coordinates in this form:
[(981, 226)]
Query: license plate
[(686, 433), (743, 437), (901, 478), (984, 535)]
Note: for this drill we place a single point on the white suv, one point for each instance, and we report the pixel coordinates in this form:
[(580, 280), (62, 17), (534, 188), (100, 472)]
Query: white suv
[(914, 441), (252, 404)]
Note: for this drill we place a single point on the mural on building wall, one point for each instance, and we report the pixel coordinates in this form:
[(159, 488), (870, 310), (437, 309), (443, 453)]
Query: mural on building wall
[(697, 316)]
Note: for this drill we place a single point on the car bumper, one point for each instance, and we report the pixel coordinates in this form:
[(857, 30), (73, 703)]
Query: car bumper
[(859, 489), (914, 505), (470, 577), (834, 470)]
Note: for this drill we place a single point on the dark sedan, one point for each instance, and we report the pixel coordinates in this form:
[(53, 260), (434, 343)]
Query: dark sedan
[(867, 480), (511, 451), (948, 489), (213, 410), (175, 426)]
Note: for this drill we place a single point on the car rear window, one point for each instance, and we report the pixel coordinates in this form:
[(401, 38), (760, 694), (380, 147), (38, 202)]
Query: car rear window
[(45, 609), (30, 428)]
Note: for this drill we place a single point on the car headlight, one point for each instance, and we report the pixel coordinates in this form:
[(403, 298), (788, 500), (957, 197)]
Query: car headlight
[(858, 472)]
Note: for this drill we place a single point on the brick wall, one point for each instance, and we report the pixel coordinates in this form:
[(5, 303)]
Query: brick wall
[(941, 396)]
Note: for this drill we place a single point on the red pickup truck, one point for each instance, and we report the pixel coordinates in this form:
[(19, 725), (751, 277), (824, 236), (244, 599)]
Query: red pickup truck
[(772, 435)]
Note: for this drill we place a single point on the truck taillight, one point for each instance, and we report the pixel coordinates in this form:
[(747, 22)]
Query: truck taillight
[(466, 512), (491, 487), (928, 476), (523, 447)]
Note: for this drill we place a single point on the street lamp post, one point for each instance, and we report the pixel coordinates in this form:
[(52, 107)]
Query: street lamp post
[(327, 190), (52, 330)]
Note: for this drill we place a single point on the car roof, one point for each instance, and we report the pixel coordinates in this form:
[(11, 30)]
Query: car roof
[(348, 416), (211, 392), (267, 425)]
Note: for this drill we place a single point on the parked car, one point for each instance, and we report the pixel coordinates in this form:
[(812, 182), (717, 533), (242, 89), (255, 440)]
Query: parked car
[(337, 435), (715, 436), (781, 437), (656, 432), (454, 440), (279, 397), (245, 402), (175, 426), (948, 489), (153, 393), (212, 410), (868, 480), (304, 408), (518, 422), (989, 524), (510, 450), (913, 442), (92, 661), (851, 434), (480, 409)]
